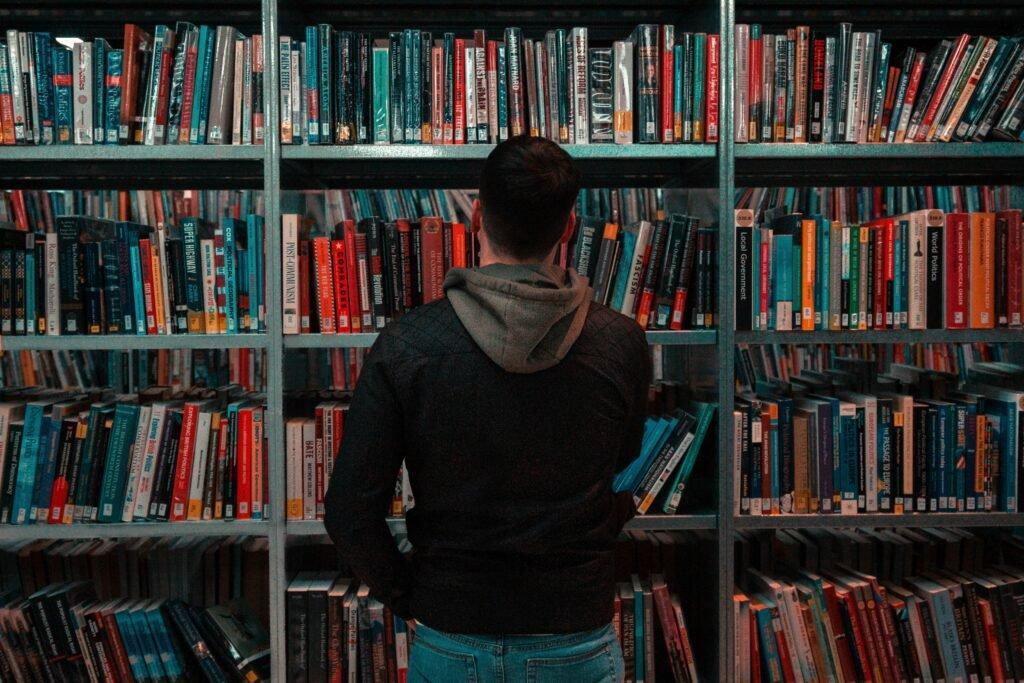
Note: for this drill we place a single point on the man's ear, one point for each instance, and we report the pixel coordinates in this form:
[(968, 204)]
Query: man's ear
[(476, 221), (570, 227)]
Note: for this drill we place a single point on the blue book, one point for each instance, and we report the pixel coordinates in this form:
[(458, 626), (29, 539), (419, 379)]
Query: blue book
[(822, 273), (28, 465), (678, 63), (144, 638), (766, 638), (42, 53), (755, 279), (132, 646), (46, 468), (137, 277), (627, 246), (112, 97), (849, 484), (172, 666), (638, 628), (312, 79), (115, 471), (229, 227), (1001, 406)]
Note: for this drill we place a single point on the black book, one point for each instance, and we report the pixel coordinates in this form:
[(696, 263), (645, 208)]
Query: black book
[(166, 460), (934, 278), (373, 228), (1002, 273), (40, 268), (670, 268), (585, 251), (94, 288), (6, 291), (297, 626), (1010, 125), (363, 90), (75, 466), (393, 271), (934, 68), (112, 293), (415, 261), (397, 82), (687, 90), (346, 47), (176, 284), (744, 272), (9, 475), (648, 88), (817, 99), (70, 271), (316, 625), (1008, 85), (426, 88), (99, 462), (844, 47)]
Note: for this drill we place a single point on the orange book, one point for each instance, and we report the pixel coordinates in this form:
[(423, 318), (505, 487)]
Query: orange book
[(158, 292), (339, 262), (146, 259), (808, 259), (323, 288), (981, 279), (183, 466)]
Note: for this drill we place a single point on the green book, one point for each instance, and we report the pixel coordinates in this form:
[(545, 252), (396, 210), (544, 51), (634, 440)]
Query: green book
[(115, 473), (381, 93)]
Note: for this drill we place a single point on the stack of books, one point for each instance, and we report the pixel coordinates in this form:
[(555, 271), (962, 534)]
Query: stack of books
[(71, 457), (183, 85), (657, 85), (849, 86)]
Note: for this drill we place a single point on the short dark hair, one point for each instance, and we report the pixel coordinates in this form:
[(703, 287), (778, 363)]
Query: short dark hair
[(527, 189)]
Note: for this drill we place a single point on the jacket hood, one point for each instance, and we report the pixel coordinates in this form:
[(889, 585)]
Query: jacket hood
[(525, 317)]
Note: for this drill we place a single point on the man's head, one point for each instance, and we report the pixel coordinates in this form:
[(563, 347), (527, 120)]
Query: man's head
[(528, 192)]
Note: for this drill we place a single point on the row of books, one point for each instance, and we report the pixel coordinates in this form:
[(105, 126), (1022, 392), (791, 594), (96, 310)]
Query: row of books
[(923, 270), (849, 86), (410, 86), (37, 210), (186, 85), (327, 373), (850, 205), (64, 632), (96, 276), (337, 631), (657, 477), (907, 440), (95, 457), (943, 606), (129, 372)]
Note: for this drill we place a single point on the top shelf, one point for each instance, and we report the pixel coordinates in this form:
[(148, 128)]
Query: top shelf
[(879, 164)]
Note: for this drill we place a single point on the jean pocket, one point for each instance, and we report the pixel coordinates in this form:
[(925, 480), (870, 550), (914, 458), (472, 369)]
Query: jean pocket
[(431, 664), (595, 666)]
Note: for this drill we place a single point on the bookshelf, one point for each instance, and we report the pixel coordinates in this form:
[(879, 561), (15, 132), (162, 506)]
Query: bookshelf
[(276, 168)]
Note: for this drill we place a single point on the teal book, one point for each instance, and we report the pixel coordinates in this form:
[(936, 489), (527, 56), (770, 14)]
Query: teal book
[(46, 467), (699, 67), (381, 95), (639, 650), (782, 279), (30, 291), (230, 228), (626, 247), (705, 412), (112, 97), (755, 279), (255, 272), (200, 109), (767, 641), (323, 53), (147, 646), (678, 68), (28, 465), (169, 656), (115, 471), (136, 270), (652, 426), (312, 84), (132, 646)]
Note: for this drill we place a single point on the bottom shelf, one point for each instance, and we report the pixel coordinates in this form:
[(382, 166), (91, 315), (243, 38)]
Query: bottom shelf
[(134, 530)]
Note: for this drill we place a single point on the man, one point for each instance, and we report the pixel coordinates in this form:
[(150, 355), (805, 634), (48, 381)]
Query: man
[(513, 402)]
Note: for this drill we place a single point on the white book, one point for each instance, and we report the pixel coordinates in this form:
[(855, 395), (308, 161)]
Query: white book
[(351, 607), (470, 89), (284, 59), (52, 284), (154, 435), (290, 273), (298, 122), (917, 632), (740, 505), (855, 85), (758, 505), (308, 469), (200, 453), (483, 93), (622, 93), (803, 642), (152, 86), (917, 284), (14, 68), (408, 500), (741, 103), (135, 463), (828, 111), (237, 94), (953, 120), (580, 91), (82, 97), (636, 269), (864, 93), (293, 468)]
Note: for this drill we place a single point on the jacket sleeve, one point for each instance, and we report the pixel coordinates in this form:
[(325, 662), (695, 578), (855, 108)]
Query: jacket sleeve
[(363, 484), (638, 379)]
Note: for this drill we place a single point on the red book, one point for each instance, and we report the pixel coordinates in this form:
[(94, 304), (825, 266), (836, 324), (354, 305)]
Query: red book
[(323, 288), (243, 464), (349, 235), (908, 99), (890, 101), (1014, 257), (164, 87), (889, 241), (146, 256), (339, 262), (432, 255), (7, 118), (940, 90), (258, 126), (988, 625), (119, 653), (859, 648), (135, 41), (783, 645), (755, 646), (669, 628), (458, 245), (459, 103), (188, 93), (667, 40), (841, 640), (59, 491), (183, 468), (711, 88), (956, 250), (304, 286)]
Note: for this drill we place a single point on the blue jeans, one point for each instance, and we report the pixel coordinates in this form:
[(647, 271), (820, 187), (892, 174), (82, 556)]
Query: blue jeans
[(588, 657)]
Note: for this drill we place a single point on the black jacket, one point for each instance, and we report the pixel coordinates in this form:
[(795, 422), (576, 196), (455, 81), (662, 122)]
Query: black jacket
[(514, 516)]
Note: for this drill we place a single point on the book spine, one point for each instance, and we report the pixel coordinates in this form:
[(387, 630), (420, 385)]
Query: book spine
[(622, 95), (648, 83)]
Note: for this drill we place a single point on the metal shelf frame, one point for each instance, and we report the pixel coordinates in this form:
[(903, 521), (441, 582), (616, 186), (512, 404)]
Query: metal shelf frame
[(723, 166)]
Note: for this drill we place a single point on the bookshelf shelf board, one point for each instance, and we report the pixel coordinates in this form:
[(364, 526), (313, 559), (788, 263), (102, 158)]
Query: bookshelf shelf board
[(913, 519), (128, 342), (879, 164), (132, 166), (705, 520), (879, 336), (10, 532), (366, 339), (459, 165)]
